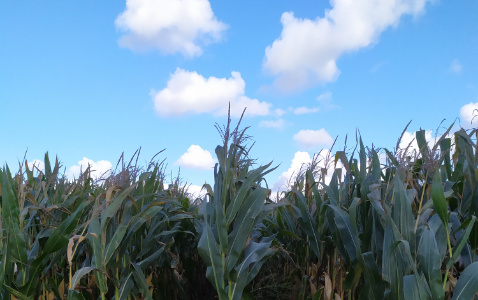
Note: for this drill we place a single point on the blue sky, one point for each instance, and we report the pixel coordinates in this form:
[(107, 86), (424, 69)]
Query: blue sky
[(87, 80)]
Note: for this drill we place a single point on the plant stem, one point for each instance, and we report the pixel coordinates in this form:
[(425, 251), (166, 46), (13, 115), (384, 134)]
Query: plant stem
[(451, 255), (421, 201)]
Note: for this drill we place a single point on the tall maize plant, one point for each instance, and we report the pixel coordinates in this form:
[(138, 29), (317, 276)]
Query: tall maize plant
[(235, 206)]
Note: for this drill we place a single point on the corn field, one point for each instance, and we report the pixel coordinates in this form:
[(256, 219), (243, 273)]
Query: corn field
[(405, 229)]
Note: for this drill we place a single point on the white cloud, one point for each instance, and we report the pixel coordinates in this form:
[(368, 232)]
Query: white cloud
[(101, 168), (456, 66), (300, 160), (196, 158), (279, 112), (196, 191), (36, 165), (414, 150), (469, 115), (190, 92), (300, 163), (273, 123), (307, 51), (325, 104), (313, 138), (305, 110), (409, 136), (169, 25)]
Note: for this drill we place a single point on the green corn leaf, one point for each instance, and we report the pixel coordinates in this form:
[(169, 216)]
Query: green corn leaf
[(94, 239), (308, 224), (340, 155), (79, 274), (219, 201), (60, 237), (413, 288), (255, 255), (141, 283), (392, 158), (243, 225), (331, 192), (315, 189), (422, 143), (429, 262), (125, 287), (346, 231), (4, 266), (238, 199), (75, 295), (148, 261), (10, 220), (394, 266), (376, 168), (445, 147), (353, 213), (363, 163), (16, 293), (115, 241), (111, 210), (209, 251), (468, 224), (459, 169), (373, 276), (439, 200), (47, 166), (467, 284), (58, 240), (402, 212)]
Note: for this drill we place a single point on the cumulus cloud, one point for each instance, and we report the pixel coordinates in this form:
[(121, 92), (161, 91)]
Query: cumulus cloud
[(307, 50), (190, 92), (313, 138), (196, 191), (101, 168), (300, 161), (36, 165), (169, 25), (196, 158), (456, 66), (469, 115), (411, 137), (273, 123)]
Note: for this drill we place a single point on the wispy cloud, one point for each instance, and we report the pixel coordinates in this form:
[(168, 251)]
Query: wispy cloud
[(456, 67), (273, 123), (305, 110), (377, 67), (325, 104)]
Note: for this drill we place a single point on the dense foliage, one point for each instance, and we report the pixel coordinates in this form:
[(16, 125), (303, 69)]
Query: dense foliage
[(405, 229)]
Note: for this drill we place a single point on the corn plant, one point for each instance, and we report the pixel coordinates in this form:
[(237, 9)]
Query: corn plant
[(233, 210)]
